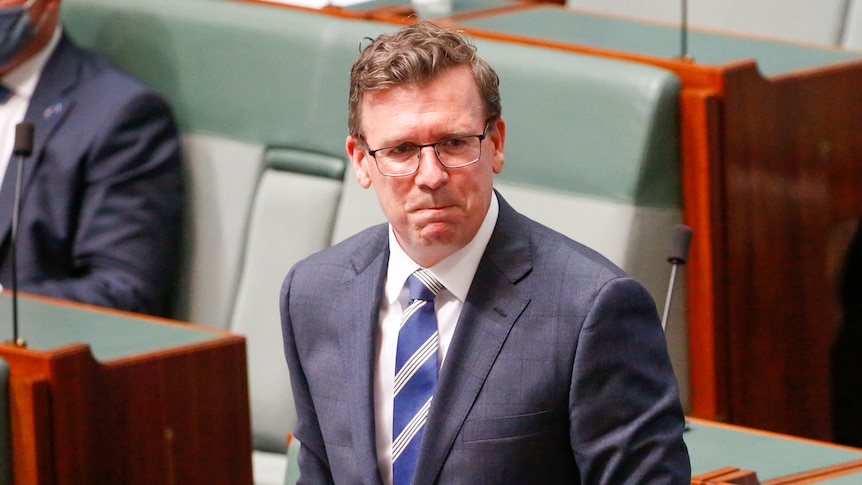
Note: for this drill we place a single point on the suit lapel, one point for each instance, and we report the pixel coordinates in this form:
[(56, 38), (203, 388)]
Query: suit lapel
[(51, 104), (493, 305), (363, 295)]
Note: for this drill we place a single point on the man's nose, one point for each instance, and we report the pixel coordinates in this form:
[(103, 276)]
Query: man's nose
[(431, 172)]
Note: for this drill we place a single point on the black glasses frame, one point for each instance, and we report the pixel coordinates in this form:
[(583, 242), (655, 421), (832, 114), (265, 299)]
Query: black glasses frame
[(480, 136)]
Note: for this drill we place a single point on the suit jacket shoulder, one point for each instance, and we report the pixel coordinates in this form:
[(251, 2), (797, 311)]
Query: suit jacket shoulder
[(353, 254), (521, 245)]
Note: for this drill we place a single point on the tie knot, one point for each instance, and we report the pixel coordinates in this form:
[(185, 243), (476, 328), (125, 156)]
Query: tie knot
[(423, 285)]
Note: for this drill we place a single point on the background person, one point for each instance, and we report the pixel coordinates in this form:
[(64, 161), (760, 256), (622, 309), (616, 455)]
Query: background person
[(102, 197)]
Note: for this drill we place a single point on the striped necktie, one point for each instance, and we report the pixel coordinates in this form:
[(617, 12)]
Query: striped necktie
[(415, 374)]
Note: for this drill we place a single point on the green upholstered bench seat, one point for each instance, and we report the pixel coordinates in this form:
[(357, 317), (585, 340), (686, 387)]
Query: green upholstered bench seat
[(241, 78), (245, 78)]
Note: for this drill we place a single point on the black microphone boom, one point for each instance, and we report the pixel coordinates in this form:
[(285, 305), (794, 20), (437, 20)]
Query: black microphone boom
[(680, 240), (22, 149), (23, 139)]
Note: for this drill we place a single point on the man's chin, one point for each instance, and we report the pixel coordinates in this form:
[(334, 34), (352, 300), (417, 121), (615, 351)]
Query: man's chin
[(439, 234)]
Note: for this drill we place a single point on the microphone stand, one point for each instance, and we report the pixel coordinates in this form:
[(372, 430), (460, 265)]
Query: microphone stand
[(680, 240), (678, 254), (23, 148), (670, 283), (683, 31)]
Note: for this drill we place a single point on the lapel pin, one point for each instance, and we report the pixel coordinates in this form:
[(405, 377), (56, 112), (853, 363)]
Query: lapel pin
[(52, 110)]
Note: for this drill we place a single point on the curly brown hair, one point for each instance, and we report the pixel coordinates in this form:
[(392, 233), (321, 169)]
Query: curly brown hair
[(417, 54)]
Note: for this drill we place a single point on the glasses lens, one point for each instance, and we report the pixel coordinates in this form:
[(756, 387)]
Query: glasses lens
[(458, 152), (398, 160)]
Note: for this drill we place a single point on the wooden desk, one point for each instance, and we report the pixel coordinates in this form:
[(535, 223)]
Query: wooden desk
[(107, 397), (775, 458)]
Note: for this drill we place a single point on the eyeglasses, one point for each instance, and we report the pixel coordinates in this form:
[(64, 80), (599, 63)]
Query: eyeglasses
[(403, 160)]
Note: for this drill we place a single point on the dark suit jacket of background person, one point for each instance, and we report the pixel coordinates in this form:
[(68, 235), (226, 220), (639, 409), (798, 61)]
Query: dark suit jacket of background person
[(558, 372), (846, 358), (102, 198)]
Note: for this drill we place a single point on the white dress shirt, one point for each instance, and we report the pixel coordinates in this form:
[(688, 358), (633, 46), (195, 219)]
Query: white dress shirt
[(456, 274)]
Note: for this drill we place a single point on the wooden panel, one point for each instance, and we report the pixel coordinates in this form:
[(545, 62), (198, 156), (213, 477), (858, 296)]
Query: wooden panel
[(32, 457), (701, 129), (783, 138), (726, 476), (819, 475), (175, 416)]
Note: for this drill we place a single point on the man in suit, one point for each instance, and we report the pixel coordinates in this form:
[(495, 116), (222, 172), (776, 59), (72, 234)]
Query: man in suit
[(549, 363), (102, 193)]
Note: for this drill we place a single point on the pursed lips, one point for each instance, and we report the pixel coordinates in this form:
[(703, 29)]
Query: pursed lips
[(433, 208)]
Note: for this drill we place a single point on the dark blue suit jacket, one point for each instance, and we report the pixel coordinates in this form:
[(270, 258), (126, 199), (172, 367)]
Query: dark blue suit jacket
[(102, 198), (558, 371)]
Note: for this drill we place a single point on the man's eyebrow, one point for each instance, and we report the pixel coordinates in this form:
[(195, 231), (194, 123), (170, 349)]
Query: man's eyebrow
[(447, 134)]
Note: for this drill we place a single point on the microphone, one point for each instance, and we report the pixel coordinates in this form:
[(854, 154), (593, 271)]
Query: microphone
[(680, 239), (22, 149)]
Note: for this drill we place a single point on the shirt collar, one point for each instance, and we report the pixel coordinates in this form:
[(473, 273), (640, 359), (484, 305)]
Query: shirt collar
[(455, 272), (23, 79)]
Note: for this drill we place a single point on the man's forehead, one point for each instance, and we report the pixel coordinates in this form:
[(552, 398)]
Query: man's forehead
[(448, 87), (397, 120)]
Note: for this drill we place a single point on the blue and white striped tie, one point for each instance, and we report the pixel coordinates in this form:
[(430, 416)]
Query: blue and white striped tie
[(415, 374)]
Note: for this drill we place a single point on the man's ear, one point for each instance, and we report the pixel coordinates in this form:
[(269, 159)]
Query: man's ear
[(497, 137), (358, 160)]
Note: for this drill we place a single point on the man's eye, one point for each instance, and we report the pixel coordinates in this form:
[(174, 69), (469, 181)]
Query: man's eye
[(453, 143), (401, 150)]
